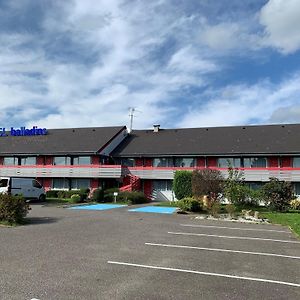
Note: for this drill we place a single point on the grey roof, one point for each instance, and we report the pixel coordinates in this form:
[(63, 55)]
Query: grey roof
[(60, 141), (226, 141)]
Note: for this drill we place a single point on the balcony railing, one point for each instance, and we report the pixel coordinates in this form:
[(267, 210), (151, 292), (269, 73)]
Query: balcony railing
[(250, 174), (82, 171)]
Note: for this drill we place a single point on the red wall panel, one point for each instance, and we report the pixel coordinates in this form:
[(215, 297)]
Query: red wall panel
[(139, 162), (95, 160), (286, 162), (148, 188), (211, 162), (148, 162), (272, 162), (200, 162), (48, 160)]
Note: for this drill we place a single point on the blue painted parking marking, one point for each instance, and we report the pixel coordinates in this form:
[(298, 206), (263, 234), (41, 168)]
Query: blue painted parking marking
[(155, 209), (97, 206)]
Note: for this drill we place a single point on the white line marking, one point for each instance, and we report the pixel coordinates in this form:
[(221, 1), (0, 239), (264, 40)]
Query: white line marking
[(222, 250), (232, 228), (204, 273), (233, 237)]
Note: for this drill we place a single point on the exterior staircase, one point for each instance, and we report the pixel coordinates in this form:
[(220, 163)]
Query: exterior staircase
[(131, 183)]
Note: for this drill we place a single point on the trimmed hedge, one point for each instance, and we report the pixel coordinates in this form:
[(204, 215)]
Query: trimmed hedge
[(13, 209), (98, 195), (182, 184), (68, 194), (75, 198), (109, 194)]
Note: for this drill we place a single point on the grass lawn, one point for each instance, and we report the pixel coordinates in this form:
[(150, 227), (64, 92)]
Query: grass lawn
[(291, 219), (166, 203)]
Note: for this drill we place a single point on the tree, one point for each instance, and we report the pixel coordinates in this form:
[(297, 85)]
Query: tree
[(182, 184), (207, 182), (277, 194)]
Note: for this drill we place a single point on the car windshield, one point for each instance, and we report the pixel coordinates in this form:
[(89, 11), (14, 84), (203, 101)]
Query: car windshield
[(3, 182)]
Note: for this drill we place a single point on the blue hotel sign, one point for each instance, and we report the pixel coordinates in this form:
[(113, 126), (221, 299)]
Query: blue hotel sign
[(23, 131)]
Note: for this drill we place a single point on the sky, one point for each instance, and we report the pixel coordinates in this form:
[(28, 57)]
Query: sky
[(178, 63)]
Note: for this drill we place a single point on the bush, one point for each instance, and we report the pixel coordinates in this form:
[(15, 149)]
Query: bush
[(207, 182), (13, 209), (109, 194), (231, 209), (61, 194), (182, 184), (278, 194), (75, 198), (97, 195), (52, 194), (215, 209), (295, 204), (189, 204), (132, 197)]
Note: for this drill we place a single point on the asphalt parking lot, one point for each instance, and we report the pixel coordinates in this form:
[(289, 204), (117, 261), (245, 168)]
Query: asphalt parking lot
[(116, 254)]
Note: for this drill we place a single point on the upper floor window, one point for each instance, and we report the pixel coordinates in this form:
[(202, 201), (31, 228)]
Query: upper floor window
[(28, 160), (296, 162), (229, 161), (255, 162), (61, 160), (184, 162), (163, 162), (10, 161), (128, 162), (81, 160)]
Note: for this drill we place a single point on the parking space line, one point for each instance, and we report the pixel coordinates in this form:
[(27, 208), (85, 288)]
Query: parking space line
[(234, 237), (222, 250), (204, 273), (233, 228)]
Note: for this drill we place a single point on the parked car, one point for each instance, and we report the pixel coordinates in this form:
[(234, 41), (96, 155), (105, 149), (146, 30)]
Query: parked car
[(29, 188)]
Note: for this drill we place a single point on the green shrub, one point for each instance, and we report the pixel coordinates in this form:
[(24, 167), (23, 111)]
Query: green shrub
[(52, 194), (13, 209), (231, 209), (75, 198), (182, 184), (132, 197), (97, 195), (189, 204), (278, 194), (109, 194), (215, 209), (295, 204), (61, 194)]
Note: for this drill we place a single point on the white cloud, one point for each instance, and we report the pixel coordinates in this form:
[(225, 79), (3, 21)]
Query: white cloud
[(243, 104), (281, 19)]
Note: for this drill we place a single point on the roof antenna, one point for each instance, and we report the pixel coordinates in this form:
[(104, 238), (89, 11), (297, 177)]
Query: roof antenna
[(131, 115)]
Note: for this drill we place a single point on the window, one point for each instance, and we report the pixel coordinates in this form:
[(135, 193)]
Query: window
[(10, 161), (82, 160), (255, 162), (62, 160), (60, 184), (28, 160), (229, 161), (80, 183), (163, 162), (128, 162), (3, 182), (184, 162), (297, 188), (296, 162), (162, 185), (255, 185), (36, 184)]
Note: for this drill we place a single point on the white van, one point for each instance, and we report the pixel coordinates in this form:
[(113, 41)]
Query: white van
[(29, 188)]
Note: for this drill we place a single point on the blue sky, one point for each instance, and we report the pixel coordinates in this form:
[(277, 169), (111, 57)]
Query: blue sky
[(179, 63)]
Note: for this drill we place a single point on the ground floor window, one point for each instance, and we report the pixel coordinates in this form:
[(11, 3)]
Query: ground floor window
[(297, 188), (60, 183), (80, 183), (162, 185)]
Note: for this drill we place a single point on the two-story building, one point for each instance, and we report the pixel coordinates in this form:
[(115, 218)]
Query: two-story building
[(147, 159)]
